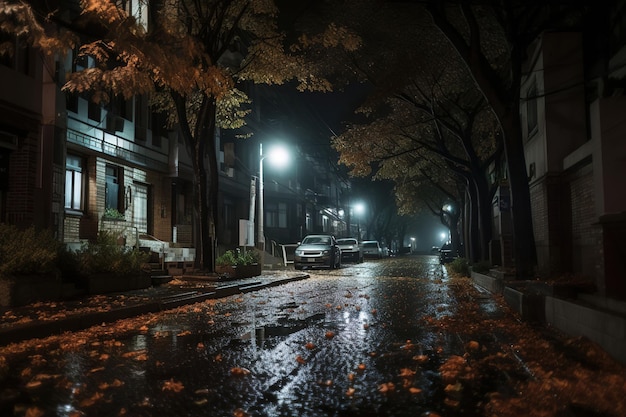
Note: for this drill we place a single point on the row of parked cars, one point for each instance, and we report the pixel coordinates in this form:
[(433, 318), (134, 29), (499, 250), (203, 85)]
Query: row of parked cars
[(326, 251)]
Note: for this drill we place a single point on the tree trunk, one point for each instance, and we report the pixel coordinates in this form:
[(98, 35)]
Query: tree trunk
[(503, 97), (485, 218), (474, 228), (201, 146), (525, 256)]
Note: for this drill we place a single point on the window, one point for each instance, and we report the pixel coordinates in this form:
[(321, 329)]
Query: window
[(531, 108), (122, 107), (158, 128), (229, 215), (325, 223), (94, 111), (74, 184), (276, 215), (113, 187), (137, 9), (140, 118)]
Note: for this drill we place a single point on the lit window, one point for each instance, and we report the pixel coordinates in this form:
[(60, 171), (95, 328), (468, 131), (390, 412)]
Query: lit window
[(113, 188), (74, 183)]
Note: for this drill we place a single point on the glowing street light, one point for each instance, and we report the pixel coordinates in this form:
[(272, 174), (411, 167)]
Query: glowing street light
[(278, 156), (359, 210)]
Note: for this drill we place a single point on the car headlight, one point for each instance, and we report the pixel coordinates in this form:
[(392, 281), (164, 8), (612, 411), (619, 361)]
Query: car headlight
[(325, 252), (299, 252)]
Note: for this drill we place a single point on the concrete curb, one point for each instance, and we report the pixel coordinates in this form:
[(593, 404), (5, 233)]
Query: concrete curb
[(77, 322)]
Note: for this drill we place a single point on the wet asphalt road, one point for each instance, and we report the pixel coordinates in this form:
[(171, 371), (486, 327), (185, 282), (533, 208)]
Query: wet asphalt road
[(349, 342)]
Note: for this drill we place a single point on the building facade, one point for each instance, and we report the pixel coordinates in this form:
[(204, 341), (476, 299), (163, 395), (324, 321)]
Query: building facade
[(78, 167), (572, 110)]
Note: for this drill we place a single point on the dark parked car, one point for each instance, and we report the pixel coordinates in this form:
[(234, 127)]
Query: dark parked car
[(317, 251), (446, 253), (350, 249)]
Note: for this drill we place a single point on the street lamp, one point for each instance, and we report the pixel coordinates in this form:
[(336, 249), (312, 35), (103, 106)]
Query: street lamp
[(359, 209), (279, 156)]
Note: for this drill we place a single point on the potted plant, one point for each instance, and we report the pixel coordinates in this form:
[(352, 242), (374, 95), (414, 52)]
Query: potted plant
[(225, 264), (105, 266), (238, 264), (113, 214)]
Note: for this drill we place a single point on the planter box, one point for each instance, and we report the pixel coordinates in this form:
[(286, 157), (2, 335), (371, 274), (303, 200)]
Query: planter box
[(238, 272), (106, 283), (22, 290)]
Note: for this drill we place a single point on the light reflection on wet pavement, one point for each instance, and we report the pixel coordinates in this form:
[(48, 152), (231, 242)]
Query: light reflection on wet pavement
[(348, 342)]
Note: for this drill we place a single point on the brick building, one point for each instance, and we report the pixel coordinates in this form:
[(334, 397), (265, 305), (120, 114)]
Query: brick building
[(78, 167)]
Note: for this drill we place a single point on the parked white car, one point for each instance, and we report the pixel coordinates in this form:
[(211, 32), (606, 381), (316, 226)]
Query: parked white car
[(350, 249), (317, 250), (372, 249)]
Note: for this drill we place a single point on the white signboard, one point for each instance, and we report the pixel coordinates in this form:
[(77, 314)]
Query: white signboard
[(246, 233)]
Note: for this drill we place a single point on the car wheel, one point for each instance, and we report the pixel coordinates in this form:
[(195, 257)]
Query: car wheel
[(298, 267)]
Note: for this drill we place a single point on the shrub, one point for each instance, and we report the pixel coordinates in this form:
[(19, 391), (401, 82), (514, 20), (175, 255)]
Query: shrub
[(27, 251), (113, 214), (226, 259), (481, 267), (106, 256), (460, 266), (248, 258), (238, 258)]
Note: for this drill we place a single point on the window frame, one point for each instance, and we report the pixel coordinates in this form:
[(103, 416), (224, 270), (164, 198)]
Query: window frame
[(74, 170)]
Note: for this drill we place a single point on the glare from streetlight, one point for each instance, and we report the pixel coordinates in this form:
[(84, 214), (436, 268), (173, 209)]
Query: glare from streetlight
[(359, 208), (278, 156), (443, 235)]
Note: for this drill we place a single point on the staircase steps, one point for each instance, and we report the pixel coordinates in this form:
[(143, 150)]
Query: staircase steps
[(158, 275)]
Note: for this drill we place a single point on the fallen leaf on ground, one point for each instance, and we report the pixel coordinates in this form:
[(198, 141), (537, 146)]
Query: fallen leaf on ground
[(420, 358), (172, 385), (34, 412), (239, 371), (87, 402), (386, 387)]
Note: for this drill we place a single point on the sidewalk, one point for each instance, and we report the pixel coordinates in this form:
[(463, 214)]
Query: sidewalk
[(47, 318)]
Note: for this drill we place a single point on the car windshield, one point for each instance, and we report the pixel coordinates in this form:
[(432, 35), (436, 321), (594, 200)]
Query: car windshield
[(346, 241), (370, 244), (316, 240)]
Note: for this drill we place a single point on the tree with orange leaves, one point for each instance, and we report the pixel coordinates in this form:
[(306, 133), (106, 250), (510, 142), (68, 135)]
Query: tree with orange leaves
[(189, 56)]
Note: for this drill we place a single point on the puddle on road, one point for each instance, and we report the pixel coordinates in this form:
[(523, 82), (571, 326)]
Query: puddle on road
[(287, 328)]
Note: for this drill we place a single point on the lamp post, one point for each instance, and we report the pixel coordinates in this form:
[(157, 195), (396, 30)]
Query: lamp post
[(359, 209), (279, 156)]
